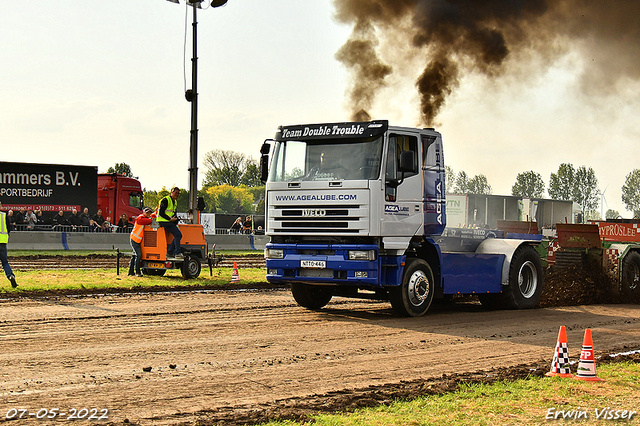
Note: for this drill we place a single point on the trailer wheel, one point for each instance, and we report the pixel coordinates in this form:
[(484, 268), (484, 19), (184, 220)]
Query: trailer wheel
[(311, 296), (631, 274), (153, 272), (414, 296), (191, 267), (525, 279)]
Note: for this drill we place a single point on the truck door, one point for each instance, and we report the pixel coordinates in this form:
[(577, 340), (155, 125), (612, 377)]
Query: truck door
[(402, 214)]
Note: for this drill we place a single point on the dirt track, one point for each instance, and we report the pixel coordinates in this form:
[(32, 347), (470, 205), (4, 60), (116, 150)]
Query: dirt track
[(250, 355)]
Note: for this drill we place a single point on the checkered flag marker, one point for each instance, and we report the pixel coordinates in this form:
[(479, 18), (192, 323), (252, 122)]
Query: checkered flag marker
[(560, 363)]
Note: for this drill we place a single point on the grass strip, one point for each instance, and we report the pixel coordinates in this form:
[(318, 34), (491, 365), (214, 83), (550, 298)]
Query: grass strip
[(533, 401), (72, 279)]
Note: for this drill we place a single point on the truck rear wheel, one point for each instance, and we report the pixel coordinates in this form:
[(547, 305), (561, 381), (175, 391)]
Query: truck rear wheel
[(311, 296), (414, 296), (631, 274), (525, 279), (191, 267)]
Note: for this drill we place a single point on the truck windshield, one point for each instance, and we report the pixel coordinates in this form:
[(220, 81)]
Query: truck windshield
[(353, 159)]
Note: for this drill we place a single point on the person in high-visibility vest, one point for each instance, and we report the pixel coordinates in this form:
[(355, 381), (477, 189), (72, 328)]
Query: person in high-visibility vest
[(5, 229), (168, 219), (145, 218)]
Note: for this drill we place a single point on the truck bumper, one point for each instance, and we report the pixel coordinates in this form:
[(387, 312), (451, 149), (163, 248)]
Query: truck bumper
[(324, 264)]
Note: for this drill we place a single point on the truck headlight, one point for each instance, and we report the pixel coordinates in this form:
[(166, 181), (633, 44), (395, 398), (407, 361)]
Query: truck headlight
[(362, 255), (271, 253)]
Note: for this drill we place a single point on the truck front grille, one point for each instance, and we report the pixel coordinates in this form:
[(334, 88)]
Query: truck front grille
[(343, 219)]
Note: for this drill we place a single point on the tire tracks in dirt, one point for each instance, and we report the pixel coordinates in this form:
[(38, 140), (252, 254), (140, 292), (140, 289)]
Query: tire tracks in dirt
[(238, 357)]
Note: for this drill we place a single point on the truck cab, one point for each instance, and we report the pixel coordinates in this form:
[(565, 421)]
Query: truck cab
[(357, 209)]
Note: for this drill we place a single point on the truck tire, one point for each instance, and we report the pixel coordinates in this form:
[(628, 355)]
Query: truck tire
[(311, 297), (191, 267), (414, 296), (631, 274), (525, 279)]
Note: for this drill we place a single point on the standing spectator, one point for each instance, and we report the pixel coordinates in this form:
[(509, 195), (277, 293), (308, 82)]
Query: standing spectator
[(5, 229), (85, 219), (39, 219), (30, 220), (236, 227), (75, 220), (123, 223), (247, 226), (18, 219), (168, 219), (136, 240), (98, 220), (60, 222)]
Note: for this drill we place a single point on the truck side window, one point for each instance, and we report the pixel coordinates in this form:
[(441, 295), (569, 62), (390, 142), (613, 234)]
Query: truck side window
[(398, 144), (428, 157)]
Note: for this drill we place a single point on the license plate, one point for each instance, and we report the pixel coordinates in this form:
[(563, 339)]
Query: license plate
[(156, 265), (318, 264)]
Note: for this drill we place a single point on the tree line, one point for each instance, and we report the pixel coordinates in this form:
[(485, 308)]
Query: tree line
[(567, 184), (232, 185)]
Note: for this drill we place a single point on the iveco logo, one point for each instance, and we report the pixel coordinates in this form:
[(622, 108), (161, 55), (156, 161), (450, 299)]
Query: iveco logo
[(314, 212)]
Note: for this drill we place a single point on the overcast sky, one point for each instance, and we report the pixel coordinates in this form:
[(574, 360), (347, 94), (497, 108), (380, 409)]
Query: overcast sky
[(97, 83)]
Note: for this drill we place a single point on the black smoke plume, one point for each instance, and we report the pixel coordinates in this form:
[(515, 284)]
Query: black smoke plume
[(456, 37)]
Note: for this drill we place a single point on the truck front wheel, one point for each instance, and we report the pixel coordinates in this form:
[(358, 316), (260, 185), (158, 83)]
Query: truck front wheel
[(525, 279), (311, 296), (631, 274), (414, 296)]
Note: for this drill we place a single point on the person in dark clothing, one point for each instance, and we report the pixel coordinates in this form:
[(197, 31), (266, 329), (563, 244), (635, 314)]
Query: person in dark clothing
[(75, 220), (98, 220), (236, 227), (18, 219), (85, 219), (60, 222), (123, 223), (247, 225)]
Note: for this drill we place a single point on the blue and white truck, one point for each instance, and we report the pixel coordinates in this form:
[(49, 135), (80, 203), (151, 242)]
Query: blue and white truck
[(357, 209)]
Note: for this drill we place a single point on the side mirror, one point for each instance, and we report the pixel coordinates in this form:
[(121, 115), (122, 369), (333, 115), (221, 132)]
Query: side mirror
[(264, 160)]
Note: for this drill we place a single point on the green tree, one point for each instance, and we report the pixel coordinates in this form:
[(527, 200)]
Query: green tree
[(231, 168), (462, 183), (528, 184), (585, 190), (612, 214), (122, 169), (479, 185), (449, 180), (631, 192), (561, 184), (251, 175), (231, 199), (152, 198)]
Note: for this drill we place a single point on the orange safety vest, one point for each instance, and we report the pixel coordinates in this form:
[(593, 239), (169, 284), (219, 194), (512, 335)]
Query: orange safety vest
[(136, 233)]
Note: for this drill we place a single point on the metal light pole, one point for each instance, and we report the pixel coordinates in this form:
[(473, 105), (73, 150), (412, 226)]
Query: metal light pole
[(192, 96)]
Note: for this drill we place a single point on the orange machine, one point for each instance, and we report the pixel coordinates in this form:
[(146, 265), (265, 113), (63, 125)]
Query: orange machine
[(154, 250)]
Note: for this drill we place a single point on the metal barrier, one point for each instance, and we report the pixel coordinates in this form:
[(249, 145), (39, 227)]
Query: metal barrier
[(52, 240)]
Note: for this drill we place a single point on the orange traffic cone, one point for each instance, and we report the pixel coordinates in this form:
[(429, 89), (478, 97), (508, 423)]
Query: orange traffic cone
[(587, 365), (235, 277), (560, 363)]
